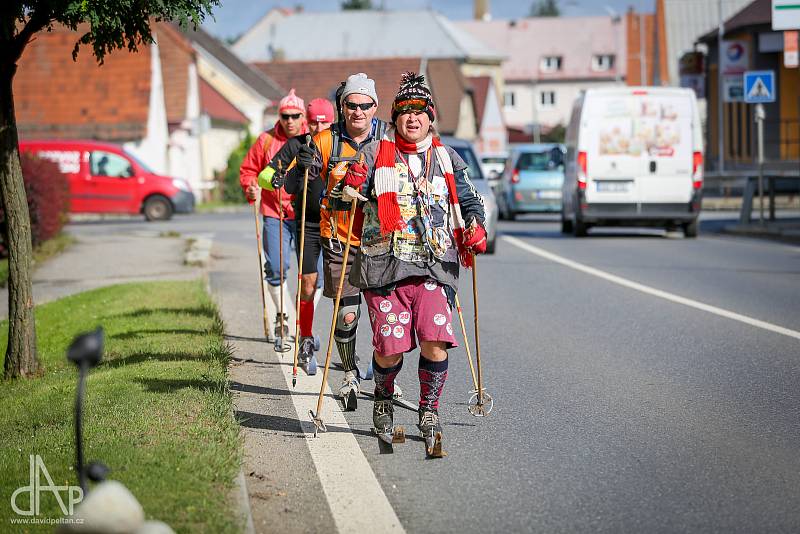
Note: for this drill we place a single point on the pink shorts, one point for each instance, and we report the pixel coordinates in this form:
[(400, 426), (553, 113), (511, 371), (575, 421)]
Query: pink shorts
[(416, 309)]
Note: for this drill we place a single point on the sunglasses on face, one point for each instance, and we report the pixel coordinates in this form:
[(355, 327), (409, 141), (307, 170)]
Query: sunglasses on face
[(352, 106), (293, 116), (412, 104)]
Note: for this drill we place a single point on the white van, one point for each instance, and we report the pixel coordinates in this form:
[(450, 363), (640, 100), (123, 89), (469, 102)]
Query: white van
[(634, 158)]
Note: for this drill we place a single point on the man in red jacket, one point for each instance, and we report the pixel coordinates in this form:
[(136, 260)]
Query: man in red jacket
[(291, 122)]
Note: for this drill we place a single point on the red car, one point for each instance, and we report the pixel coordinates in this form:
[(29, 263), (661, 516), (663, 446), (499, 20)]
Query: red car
[(104, 178)]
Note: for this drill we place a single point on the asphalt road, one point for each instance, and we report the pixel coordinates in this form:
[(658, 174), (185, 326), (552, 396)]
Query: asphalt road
[(615, 410)]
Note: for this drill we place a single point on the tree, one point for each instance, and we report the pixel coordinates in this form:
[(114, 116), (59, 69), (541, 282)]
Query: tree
[(545, 8), (356, 4), (112, 24)]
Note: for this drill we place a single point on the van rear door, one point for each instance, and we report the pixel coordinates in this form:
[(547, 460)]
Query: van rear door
[(639, 147)]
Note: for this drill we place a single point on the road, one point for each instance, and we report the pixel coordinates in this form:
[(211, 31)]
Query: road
[(642, 383)]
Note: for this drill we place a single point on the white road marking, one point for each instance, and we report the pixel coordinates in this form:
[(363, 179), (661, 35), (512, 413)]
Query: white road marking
[(652, 291), (355, 497)]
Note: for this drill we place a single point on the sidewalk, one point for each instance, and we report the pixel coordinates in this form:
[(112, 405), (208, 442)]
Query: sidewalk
[(114, 257)]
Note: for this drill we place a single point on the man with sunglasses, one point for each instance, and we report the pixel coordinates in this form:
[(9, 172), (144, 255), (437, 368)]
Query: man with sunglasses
[(328, 158), (422, 217), (291, 123)]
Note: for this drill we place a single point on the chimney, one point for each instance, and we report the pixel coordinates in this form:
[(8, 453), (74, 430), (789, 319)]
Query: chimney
[(482, 10)]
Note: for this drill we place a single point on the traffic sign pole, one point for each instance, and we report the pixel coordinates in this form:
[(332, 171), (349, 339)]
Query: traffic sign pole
[(760, 116)]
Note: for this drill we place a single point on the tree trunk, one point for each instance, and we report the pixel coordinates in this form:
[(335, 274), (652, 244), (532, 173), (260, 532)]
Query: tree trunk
[(21, 357)]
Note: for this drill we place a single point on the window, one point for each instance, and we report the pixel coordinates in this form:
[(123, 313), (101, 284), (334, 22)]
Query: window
[(550, 64), (547, 99), (510, 99), (602, 62), (109, 164)]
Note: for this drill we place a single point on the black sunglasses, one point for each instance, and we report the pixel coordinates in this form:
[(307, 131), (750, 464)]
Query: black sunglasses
[(294, 116), (352, 106)]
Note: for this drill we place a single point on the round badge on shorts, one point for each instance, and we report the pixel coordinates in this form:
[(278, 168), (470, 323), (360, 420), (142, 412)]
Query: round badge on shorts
[(439, 319), (386, 330), (405, 317), (449, 328), (430, 285), (385, 306), (391, 318), (399, 331)]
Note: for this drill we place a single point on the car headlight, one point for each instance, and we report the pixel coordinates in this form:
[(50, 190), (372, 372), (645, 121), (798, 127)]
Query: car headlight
[(183, 185)]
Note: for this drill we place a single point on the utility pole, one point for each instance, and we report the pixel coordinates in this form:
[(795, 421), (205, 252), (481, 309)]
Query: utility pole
[(720, 93)]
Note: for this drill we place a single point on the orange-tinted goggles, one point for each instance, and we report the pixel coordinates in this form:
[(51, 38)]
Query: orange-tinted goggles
[(411, 104)]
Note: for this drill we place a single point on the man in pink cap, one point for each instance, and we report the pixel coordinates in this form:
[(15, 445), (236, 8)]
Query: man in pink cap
[(291, 122)]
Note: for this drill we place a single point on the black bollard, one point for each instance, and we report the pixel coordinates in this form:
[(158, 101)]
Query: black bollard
[(86, 351)]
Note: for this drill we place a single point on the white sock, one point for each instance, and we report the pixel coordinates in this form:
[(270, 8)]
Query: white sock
[(275, 293), (317, 296)]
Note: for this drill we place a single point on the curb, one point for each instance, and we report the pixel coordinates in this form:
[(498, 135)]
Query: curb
[(754, 230), (198, 251), (244, 503)]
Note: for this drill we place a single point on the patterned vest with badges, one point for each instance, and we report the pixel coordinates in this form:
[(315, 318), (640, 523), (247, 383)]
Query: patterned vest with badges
[(424, 207)]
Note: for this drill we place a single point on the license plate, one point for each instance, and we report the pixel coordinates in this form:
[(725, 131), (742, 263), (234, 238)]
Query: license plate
[(608, 186), (546, 194)]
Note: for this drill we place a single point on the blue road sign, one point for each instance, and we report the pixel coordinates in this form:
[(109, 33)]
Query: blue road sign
[(759, 86)]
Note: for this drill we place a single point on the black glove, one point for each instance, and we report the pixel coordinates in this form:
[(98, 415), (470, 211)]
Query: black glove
[(278, 179), (308, 157)]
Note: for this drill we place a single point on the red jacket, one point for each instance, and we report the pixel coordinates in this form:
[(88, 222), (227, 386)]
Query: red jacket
[(258, 157)]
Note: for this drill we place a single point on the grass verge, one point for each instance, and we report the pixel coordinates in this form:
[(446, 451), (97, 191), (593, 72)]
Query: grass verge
[(209, 207), (42, 253), (158, 411)]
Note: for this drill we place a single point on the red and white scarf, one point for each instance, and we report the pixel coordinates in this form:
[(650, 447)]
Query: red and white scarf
[(387, 184)]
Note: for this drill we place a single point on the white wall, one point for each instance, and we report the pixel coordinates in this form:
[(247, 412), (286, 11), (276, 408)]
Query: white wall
[(492, 137), (185, 160), (226, 83), (217, 144), (152, 150), (523, 114)]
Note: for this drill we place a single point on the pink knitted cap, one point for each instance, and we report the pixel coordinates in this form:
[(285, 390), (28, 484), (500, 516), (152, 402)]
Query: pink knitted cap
[(291, 102)]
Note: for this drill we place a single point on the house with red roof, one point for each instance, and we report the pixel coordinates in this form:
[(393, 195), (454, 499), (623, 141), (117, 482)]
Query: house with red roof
[(176, 105)]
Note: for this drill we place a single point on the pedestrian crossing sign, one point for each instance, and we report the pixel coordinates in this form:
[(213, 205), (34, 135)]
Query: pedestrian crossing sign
[(759, 86)]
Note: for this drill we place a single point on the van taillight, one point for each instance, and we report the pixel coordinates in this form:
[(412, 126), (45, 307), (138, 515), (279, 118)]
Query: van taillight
[(582, 165), (515, 176), (697, 170)]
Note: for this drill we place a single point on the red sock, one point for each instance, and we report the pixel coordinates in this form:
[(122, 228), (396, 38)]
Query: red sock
[(306, 317)]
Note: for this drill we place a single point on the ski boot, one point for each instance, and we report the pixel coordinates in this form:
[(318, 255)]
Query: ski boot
[(348, 391), (383, 422), (281, 329), (431, 430), (306, 358)]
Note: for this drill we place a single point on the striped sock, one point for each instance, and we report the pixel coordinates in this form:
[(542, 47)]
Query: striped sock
[(384, 378), (432, 376)]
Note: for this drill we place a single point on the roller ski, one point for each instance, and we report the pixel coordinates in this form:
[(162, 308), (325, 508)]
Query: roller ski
[(306, 358), (348, 391), (383, 423), (397, 398), (431, 431)]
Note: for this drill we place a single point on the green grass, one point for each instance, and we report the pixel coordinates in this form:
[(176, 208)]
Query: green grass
[(158, 411), (207, 207), (42, 253)]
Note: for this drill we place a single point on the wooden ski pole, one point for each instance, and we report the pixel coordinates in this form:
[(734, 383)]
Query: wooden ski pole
[(261, 269), (317, 418), (466, 345), (300, 276)]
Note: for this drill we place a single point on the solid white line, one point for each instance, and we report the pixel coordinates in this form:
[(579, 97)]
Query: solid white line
[(355, 497), (652, 291)]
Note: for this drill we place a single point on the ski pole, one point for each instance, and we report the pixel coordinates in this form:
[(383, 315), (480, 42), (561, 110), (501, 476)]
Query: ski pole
[(466, 346), (300, 275), (279, 327), (482, 398), (261, 270), (317, 418)]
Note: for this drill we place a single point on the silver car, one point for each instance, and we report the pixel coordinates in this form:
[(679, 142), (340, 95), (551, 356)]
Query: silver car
[(464, 149)]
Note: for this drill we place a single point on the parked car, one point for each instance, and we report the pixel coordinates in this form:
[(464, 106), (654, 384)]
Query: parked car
[(634, 158), (104, 178), (464, 149), (493, 165), (532, 179)]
